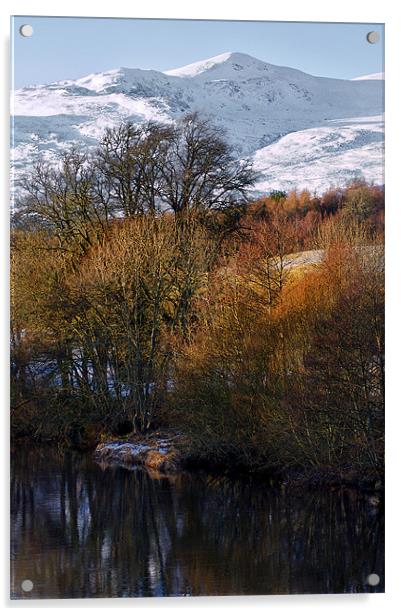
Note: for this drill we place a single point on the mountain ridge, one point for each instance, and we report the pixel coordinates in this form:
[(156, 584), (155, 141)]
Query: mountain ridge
[(256, 104)]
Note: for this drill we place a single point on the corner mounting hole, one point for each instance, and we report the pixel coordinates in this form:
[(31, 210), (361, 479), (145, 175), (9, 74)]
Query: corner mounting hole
[(373, 579), (373, 37), (27, 585), (26, 30)]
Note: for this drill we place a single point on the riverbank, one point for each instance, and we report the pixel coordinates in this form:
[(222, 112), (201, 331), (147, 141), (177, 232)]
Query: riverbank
[(169, 452)]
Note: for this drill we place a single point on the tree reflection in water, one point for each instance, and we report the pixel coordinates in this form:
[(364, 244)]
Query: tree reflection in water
[(78, 530)]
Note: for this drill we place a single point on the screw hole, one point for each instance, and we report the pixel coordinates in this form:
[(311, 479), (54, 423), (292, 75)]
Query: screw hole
[(27, 585), (26, 30), (373, 37), (373, 579)]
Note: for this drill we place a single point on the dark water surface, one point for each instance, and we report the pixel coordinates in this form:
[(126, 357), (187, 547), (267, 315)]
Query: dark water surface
[(78, 530)]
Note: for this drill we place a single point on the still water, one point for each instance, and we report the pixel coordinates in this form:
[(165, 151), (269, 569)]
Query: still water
[(79, 530)]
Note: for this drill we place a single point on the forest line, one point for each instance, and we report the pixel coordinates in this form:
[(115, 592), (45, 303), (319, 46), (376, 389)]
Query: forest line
[(149, 291)]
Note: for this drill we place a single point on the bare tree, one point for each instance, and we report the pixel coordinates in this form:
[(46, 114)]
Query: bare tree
[(63, 200), (200, 170), (129, 163), (266, 257)]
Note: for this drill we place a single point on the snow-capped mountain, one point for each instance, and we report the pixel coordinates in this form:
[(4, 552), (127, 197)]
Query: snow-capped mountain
[(287, 120)]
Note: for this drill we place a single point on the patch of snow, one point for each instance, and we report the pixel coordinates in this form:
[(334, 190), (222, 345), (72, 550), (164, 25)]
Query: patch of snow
[(371, 76), (371, 253), (194, 69), (307, 257), (162, 450), (129, 447)]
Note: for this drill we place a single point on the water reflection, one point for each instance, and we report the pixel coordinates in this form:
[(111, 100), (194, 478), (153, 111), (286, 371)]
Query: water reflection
[(82, 531)]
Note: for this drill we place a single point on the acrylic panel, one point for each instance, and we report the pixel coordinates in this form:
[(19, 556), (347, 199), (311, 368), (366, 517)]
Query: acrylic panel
[(197, 308)]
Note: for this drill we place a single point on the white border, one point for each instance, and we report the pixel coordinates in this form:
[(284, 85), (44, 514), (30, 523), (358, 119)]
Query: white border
[(385, 11)]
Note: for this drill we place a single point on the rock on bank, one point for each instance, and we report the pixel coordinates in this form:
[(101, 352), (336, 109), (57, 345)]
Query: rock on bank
[(159, 453)]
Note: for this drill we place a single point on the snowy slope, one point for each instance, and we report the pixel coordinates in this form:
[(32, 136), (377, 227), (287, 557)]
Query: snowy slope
[(260, 105), (371, 76), (329, 155)]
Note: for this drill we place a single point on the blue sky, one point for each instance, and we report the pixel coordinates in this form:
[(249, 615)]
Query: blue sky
[(68, 48)]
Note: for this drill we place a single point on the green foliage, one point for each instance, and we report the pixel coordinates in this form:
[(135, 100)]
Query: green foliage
[(277, 195)]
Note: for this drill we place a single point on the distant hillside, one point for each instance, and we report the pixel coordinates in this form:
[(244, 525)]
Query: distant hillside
[(301, 130)]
